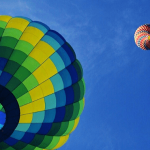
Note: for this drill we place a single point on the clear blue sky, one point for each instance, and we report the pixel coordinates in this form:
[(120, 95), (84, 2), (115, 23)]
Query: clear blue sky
[(116, 71)]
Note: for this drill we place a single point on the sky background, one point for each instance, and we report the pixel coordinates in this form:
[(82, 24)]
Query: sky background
[(116, 71)]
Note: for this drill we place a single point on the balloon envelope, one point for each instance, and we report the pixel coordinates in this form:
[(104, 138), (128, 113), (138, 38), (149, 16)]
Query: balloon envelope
[(41, 86), (142, 37)]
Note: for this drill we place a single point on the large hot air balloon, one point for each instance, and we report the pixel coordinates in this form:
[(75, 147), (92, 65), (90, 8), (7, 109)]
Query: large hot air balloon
[(41, 86), (142, 37)]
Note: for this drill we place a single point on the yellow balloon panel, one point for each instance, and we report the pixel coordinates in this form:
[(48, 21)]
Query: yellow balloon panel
[(26, 118), (41, 52), (5, 18), (35, 106), (32, 35), (18, 23)]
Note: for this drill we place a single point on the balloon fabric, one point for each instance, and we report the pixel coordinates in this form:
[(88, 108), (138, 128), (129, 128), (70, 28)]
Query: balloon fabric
[(142, 37), (41, 86)]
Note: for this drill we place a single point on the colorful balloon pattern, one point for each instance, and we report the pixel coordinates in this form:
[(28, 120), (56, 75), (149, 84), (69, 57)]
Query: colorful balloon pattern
[(142, 37), (41, 86)]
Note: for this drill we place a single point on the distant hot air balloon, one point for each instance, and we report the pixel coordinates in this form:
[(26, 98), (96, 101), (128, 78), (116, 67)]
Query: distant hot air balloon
[(41, 86), (142, 37)]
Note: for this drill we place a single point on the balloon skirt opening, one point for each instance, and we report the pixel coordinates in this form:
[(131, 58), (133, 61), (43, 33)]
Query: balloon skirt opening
[(9, 113)]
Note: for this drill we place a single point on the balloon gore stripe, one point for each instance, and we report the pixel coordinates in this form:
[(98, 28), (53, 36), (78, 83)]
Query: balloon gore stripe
[(142, 37), (41, 86)]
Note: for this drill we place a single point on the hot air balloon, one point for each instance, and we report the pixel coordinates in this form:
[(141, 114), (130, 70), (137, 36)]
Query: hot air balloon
[(41, 86), (142, 37)]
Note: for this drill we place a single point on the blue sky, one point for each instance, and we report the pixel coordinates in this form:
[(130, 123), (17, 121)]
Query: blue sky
[(116, 71)]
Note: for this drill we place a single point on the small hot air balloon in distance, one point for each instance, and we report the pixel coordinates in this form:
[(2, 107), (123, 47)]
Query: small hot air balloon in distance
[(142, 37), (41, 86)]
